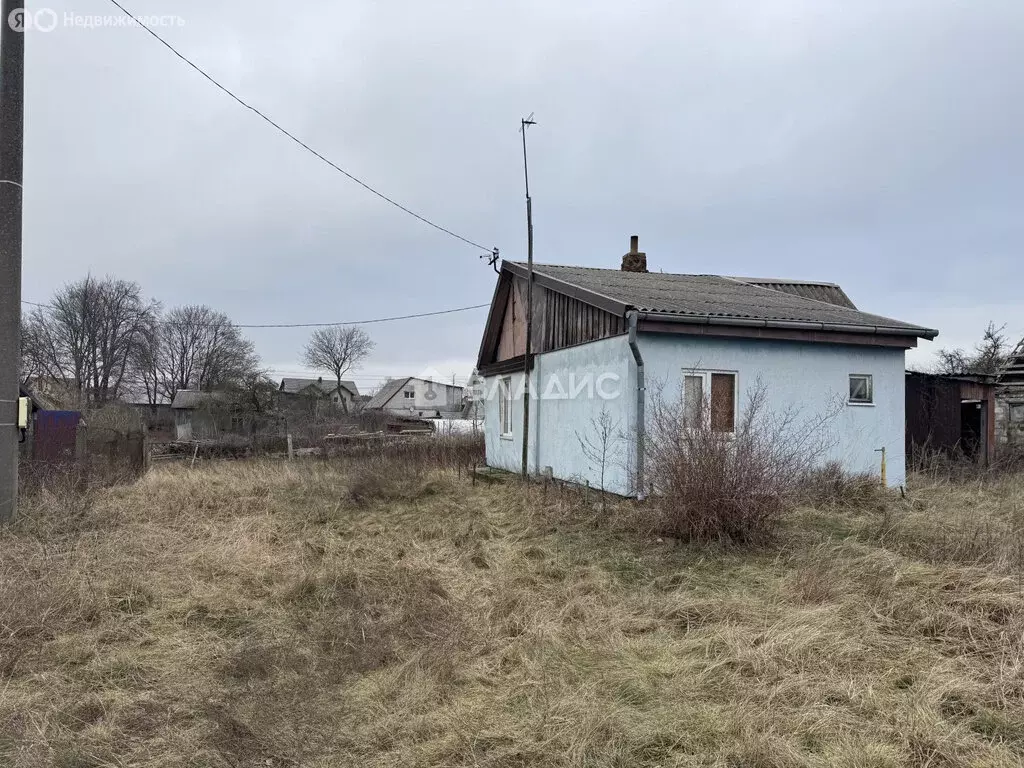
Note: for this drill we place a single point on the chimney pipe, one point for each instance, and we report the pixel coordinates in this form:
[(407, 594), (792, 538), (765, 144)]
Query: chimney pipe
[(635, 260)]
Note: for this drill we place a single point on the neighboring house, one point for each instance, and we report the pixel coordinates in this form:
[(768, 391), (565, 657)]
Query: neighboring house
[(210, 415), (1009, 416), (605, 339), (198, 415), (299, 391), (413, 396)]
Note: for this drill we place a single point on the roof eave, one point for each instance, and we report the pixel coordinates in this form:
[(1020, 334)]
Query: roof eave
[(599, 300), (808, 325)]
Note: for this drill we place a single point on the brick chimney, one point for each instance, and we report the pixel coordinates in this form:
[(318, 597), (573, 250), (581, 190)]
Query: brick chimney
[(635, 260)]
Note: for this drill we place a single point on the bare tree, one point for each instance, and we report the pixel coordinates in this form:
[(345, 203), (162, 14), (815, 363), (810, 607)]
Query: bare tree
[(254, 393), (145, 364), (199, 348), (29, 366), (87, 337), (338, 349), (988, 357), (597, 444)]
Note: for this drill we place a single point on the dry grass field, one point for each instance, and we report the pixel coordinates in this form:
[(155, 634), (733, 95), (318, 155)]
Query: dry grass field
[(304, 614)]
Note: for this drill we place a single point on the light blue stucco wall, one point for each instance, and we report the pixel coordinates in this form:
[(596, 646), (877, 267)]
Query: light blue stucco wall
[(570, 389), (809, 378)]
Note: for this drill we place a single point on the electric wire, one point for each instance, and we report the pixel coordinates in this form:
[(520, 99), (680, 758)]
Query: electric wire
[(297, 140), (309, 325)]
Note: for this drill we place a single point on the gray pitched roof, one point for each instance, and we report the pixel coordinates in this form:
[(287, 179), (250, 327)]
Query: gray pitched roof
[(294, 386), (389, 390), (830, 293), (714, 297), (188, 399)]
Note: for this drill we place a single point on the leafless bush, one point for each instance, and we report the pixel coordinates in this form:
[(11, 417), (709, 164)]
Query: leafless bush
[(115, 417), (598, 446), (715, 485)]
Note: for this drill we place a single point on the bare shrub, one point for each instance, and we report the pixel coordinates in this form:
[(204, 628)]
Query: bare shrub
[(715, 485), (598, 446)]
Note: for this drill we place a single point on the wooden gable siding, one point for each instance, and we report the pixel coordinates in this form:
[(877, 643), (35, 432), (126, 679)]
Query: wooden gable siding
[(568, 321), (559, 321), (512, 338)]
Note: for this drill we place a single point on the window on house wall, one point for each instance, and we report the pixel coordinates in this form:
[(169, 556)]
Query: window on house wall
[(861, 389), (710, 395), (409, 395), (505, 406), (693, 398)]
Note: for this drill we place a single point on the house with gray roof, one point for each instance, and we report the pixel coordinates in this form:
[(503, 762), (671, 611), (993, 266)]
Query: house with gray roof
[(213, 415), (606, 339), (413, 396), (199, 415), (306, 391)]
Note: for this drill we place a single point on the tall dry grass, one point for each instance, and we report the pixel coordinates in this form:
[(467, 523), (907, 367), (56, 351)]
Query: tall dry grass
[(327, 614)]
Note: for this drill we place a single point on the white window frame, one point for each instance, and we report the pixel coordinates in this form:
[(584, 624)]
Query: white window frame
[(706, 374), (505, 407), (871, 389)]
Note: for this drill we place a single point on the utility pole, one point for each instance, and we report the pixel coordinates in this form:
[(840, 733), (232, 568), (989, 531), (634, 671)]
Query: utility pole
[(524, 124), (12, 123)]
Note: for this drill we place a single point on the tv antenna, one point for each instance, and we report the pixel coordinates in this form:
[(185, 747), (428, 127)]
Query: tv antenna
[(523, 125)]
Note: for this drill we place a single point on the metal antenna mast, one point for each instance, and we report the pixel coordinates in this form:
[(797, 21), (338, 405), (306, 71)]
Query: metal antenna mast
[(523, 125)]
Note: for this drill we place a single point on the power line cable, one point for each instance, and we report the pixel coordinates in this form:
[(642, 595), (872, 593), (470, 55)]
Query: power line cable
[(492, 252), (309, 325), (357, 378)]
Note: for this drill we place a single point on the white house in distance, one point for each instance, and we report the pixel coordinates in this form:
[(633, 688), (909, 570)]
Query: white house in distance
[(416, 397), (600, 334), (320, 388)]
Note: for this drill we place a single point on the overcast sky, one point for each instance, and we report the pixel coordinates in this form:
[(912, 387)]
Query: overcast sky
[(874, 144)]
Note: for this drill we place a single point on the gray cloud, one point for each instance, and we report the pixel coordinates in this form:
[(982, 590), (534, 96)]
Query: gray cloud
[(874, 144)]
